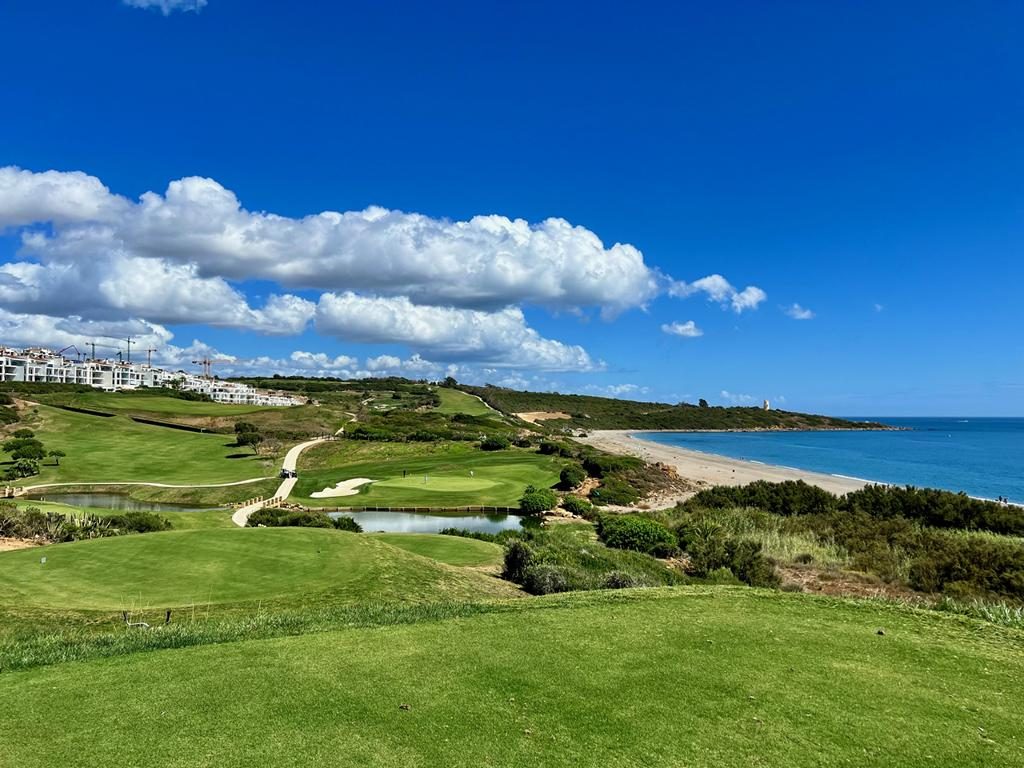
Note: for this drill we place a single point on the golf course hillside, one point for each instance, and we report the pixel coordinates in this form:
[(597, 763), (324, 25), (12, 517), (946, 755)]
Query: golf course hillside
[(680, 676), (100, 449), (156, 406), (208, 567), (422, 474)]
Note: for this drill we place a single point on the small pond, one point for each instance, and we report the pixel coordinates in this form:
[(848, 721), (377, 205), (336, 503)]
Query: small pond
[(118, 501), (414, 522)]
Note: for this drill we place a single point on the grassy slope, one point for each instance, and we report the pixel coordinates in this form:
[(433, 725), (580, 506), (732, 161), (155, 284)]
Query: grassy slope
[(220, 566), (113, 402), (446, 549), (288, 423), (499, 477), (117, 449), (454, 401), (724, 677)]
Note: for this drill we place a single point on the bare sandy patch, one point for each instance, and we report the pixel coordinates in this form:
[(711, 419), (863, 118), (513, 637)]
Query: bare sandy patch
[(534, 416), (8, 545), (344, 488)]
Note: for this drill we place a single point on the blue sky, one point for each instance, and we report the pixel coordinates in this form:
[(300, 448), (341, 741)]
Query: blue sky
[(823, 201)]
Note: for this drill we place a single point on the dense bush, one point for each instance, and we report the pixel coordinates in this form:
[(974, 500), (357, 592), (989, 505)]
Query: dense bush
[(600, 465), (565, 557), (792, 497), (495, 443), (496, 538), (572, 476), (577, 505), (278, 518), (552, 448), (547, 578), (637, 533), (940, 509), (344, 523), (55, 527), (615, 491), (518, 558), (537, 501), (710, 550), (139, 522)]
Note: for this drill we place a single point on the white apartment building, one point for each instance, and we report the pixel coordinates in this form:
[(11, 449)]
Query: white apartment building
[(44, 366)]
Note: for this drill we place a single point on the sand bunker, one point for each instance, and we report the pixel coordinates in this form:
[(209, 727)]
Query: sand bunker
[(344, 488), (534, 416)]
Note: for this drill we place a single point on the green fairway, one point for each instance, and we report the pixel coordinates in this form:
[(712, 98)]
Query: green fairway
[(218, 566), (435, 475), (115, 402), (118, 449), (453, 550), (680, 677), (454, 401)]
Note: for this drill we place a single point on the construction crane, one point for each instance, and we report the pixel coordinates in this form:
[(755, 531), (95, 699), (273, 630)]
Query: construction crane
[(93, 344), (78, 354), (149, 357), (207, 363)]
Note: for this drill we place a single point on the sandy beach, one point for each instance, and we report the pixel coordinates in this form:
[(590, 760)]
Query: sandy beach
[(708, 469)]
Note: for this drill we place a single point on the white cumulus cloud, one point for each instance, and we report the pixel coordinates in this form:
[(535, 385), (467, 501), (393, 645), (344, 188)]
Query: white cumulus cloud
[(501, 339), (797, 312), (720, 290), (167, 7), (688, 329)]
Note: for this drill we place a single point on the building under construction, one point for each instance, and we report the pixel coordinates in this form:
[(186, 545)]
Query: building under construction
[(37, 365)]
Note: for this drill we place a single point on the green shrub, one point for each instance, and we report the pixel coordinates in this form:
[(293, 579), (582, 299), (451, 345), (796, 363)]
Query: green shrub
[(600, 465), (572, 476), (519, 557), (615, 492), (792, 497), (546, 579), (551, 448), (279, 518), (344, 523), (495, 443), (577, 505), (637, 533), (139, 522), (537, 501), (710, 550)]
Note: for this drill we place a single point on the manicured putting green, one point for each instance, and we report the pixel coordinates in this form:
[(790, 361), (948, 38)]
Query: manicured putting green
[(438, 483), (729, 677), (498, 477), (180, 568)]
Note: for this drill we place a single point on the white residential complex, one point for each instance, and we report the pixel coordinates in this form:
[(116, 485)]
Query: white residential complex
[(44, 366)]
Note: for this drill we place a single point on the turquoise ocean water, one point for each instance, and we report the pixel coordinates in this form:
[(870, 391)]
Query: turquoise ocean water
[(981, 456)]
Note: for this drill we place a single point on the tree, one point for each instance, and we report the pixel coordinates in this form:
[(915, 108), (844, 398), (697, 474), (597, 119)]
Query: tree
[(31, 452), (241, 427), (23, 433), (449, 382), (17, 443), (702, 403), (252, 439), (56, 455)]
